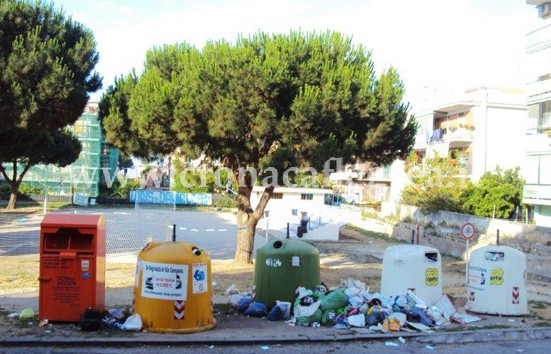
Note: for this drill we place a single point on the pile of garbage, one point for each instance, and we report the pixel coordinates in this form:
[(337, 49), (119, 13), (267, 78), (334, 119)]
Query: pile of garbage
[(93, 319), (352, 305)]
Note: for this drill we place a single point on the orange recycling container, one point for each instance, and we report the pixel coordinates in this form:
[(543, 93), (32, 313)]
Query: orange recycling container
[(173, 290), (72, 266)]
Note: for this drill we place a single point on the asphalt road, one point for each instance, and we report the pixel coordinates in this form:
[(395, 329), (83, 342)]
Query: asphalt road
[(532, 347), (129, 230)]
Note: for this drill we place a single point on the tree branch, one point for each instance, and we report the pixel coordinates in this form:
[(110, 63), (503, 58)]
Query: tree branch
[(25, 170), (4, 174), (266, 195)]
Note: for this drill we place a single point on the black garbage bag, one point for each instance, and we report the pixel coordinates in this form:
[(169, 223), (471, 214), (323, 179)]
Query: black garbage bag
[(90, 320)]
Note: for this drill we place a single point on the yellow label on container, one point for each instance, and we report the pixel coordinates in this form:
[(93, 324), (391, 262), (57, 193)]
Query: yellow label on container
[(431, 277), (496, 276)]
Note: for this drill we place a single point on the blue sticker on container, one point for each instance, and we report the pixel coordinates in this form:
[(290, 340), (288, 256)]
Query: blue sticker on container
[(85, 275)]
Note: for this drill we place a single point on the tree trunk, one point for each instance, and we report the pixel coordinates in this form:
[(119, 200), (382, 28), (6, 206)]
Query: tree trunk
[(13, 197), (246, 229), (15, 181), (247, 219)]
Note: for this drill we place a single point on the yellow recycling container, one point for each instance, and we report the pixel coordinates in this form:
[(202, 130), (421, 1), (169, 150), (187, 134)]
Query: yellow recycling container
[(172, 290)]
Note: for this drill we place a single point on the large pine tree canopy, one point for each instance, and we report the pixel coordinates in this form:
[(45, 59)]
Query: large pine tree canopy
[(294, 99), (46, 72)]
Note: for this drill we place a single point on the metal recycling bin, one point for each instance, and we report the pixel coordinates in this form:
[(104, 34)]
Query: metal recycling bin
[(497, 281), (72, 266), (412, 267), (172, 290), (283, 265)]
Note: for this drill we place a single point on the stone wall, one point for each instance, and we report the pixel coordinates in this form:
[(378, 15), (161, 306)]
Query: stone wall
[(442, 231)]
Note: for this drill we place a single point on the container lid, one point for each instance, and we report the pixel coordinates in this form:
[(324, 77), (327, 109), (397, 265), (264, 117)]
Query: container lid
[(72, 220)]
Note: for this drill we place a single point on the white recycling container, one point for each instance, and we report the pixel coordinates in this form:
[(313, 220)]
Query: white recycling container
[(497, 281), (412, 267)]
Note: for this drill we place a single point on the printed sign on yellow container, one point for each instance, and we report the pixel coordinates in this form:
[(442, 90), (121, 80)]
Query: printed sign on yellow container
[(496, 277), (431, 277)]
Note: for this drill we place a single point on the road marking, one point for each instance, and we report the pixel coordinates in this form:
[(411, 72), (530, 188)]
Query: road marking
[(193, 230), (222, 230), (210, 230), (183, 228)]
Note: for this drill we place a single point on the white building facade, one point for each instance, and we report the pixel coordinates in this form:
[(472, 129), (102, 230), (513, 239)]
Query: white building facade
[(482, 130), (537, 167)]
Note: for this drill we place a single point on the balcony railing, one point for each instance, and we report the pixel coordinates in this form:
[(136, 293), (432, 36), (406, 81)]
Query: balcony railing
[(447, 135)]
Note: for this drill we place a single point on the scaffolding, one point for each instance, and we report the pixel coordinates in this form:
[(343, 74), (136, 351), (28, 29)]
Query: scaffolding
[(84, 175)]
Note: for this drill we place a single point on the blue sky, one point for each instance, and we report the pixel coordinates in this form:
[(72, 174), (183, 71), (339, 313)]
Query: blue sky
[(438, 46)]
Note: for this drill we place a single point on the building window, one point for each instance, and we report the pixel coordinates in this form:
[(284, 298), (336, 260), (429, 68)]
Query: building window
[(306, 196), (277, 196)]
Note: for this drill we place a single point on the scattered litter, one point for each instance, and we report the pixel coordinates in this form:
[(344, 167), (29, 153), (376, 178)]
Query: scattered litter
[(511, 320), (26, 313), (232, 290), (429, 347), (264, 347), (13, 315), (420, 327), (391, 344), (132, 323), (401, 340), (48, 331), (211, 346), (42, 323), (463, 318)]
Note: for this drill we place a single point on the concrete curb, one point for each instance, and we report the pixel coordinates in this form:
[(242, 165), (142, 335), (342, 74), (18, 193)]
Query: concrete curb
[(478, 336)]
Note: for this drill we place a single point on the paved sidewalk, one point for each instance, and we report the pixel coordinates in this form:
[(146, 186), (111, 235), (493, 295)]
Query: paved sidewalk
[(252, 333), (234, 328)]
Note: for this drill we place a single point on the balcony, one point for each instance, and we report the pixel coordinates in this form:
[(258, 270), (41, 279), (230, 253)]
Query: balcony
[(459, 137), (538, 90), (456, 137), (536, 194)]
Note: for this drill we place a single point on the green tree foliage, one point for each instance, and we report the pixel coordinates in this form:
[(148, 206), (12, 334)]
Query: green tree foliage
[(202, 180), (118, 189), (436, 184), (502, 190), (46, 73), (266, 101)]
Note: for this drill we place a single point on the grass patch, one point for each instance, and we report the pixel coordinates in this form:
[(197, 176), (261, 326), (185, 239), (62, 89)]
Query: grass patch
[(542, 324), (472, 328), (538, 304), (373, 235)]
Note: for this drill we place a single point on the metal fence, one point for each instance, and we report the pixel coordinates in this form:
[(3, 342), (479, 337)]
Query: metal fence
[(20, 231)]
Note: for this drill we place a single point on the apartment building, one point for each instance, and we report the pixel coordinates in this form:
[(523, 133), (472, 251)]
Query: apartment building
[(537, 167), (480, 130)]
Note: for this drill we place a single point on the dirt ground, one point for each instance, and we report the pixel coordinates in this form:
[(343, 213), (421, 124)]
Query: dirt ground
[(356, 255)]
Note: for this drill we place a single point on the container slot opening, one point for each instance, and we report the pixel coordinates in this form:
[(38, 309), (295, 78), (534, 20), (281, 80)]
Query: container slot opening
[(68, 239), (56, 242), (278, 244), (495, 256), (82, 242), (431, 256)]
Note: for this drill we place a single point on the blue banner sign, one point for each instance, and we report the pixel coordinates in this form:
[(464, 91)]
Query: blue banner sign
[(165, 197)]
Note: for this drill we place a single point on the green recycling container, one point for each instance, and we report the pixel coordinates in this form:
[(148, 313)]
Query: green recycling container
[(283, 265)]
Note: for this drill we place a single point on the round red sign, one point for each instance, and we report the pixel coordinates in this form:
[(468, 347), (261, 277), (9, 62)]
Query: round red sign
[(467, 231)]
